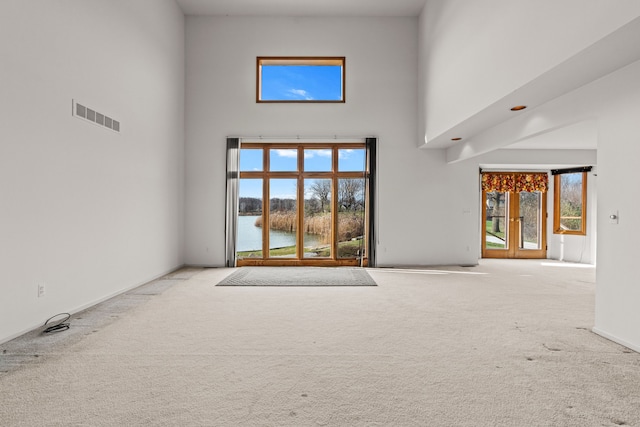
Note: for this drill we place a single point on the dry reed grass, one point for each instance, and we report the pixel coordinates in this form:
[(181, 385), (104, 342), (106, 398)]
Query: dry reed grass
[(350, 224)]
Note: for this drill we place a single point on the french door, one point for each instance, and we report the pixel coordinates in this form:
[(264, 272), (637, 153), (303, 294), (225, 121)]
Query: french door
[(514, 222), (303, 204)]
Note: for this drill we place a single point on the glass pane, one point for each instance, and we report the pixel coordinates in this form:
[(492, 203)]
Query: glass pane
[(496, 227), (251, 159), (301, 82), (249, 243), (317, 218), (530, 220), (317, 160), (283, 220), (351, 206), (351, 159), (571, 201), (283, 160)]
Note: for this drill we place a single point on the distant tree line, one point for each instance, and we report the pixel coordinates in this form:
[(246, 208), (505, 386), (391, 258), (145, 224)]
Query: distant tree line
[(282, 205), (350, 199), (250, 206)]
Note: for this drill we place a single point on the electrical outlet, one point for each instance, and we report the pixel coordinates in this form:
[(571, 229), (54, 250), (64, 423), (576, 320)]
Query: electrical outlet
[(41, 289)]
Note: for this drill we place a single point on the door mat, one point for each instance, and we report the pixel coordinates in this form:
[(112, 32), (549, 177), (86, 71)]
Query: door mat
[(298, 276)]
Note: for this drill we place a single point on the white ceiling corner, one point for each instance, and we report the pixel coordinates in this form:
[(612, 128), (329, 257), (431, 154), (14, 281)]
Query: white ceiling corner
[(302, 7)]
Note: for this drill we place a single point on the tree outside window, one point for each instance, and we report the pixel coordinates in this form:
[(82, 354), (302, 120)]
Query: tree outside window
[(570, 207)]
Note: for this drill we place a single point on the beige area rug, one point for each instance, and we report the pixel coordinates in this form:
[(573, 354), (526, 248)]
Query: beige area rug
[(502, 344), (298, 276)]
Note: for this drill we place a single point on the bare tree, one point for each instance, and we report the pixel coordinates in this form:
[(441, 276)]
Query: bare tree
[(496, 210), (321, 189), (351, 194)]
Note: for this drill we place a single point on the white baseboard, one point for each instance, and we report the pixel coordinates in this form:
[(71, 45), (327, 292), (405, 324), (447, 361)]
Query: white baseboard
[(91, 304), (617, 340), (205, 266)]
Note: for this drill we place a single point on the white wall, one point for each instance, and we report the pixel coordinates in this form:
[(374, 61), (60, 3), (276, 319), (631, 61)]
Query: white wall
[(474, 53), (84, 210), (428, 209), (432, 217), (471, 56), (381, 72), (614, 103), (618, 288)]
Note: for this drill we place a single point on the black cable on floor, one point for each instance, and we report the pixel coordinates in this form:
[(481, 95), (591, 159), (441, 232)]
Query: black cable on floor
[(61, 325)]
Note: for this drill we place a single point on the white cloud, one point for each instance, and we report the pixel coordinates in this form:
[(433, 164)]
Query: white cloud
[(309, 154), (292, 154), (345, 154), (301, 93)]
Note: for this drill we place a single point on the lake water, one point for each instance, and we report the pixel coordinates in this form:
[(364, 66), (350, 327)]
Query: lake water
[(250, 236)]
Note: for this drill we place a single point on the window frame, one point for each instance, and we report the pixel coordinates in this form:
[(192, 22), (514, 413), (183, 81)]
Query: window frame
[(301, 174), (300, 60), (556, 205)]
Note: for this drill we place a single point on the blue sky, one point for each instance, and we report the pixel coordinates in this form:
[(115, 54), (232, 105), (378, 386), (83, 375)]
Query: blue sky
[(301, 83), (316, 160), (280, 188)]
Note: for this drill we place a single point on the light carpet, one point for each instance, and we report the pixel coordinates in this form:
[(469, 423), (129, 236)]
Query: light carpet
[(502, 344), (298, 276)]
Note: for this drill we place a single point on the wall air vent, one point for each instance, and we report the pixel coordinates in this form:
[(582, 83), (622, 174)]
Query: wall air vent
[(81, 111), (88, 114)]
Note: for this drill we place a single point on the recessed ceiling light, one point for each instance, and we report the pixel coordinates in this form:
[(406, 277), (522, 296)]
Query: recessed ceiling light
[(456, 139), (518, 107)]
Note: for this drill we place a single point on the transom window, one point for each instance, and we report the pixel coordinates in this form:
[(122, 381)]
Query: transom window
[(300, 79)]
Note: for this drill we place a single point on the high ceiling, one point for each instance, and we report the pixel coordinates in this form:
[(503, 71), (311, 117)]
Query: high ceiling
[(302, 7), (607, 55)]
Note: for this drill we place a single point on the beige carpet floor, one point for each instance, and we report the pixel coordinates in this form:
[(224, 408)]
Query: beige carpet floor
[(501, 344)]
